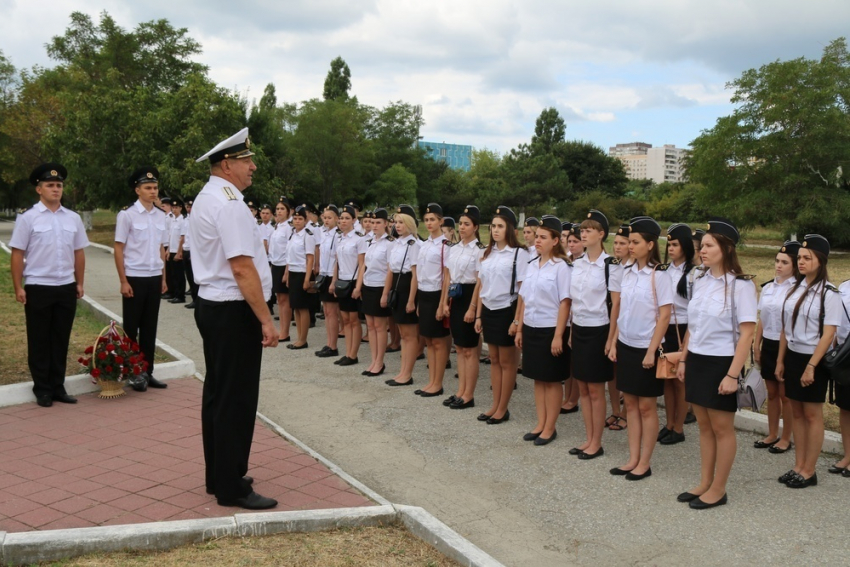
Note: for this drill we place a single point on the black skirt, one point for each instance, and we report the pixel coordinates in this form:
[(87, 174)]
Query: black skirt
[(591, 364), (463, 333), (349, 304), (298, 296), (842, 396), (277, 279), (671, 340), (632, 377), (795, 365), (401, 283), (325, 291), (496, 323), (429, 327), (769, 352), (371, 302), (703, 375), (538, 363)]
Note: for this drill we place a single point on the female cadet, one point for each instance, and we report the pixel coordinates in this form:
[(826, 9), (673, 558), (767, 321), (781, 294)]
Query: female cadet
[(529, 231), (542, 316), (350, 259), (500, 276), (645, 302), (278, 243), (458, 299), (722, 317), (430, 273), (402, 284), (574, 248), (327, 269), (300, 255), (811, 313), (766, 347), (680, 252), (449, 229), (595, 289), (842, 393), (370, 288), (617, 420)]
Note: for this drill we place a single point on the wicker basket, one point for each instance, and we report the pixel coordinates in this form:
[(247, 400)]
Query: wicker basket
[(110, 389)]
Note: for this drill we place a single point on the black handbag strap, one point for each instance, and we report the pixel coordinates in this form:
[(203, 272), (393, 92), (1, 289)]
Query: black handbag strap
[(401, 270), (513, 273)]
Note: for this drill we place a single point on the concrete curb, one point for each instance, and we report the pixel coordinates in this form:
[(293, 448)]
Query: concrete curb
[(746, 420)]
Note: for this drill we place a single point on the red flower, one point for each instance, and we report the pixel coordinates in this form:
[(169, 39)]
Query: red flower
[(119, 360), (136, 348), (101, 355), (110, 347), (109, 368), (137, 370), (89, 350), (81, 360), (125, 370), (95, 373), (101, 340)]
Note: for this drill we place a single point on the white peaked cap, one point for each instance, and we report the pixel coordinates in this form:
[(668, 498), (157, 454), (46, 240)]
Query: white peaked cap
[(237, 146)]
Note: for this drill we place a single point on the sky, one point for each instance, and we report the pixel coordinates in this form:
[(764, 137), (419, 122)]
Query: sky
[(644, 70)]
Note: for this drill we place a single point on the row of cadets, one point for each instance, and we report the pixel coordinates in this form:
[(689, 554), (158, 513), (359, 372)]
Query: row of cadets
[(400, 291), (300, 263), (278, 244), (331, 235), (350, 258)]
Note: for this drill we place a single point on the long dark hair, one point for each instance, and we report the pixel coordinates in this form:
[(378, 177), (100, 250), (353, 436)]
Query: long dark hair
[(821, 277), (474, 223), (654, 255), (558, 251), (688, 248), (510, 237)]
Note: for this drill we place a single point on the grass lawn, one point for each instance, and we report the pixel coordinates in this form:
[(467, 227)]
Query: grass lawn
[(390, 546), (13, 339)]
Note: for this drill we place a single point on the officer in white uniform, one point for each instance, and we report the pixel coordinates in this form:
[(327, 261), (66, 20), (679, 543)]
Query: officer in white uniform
[(177, 233), (187, 257), (51, 240), (234, 280), (140, 237)]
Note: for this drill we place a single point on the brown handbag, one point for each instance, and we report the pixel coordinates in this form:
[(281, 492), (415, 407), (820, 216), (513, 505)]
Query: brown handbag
[(668, 363)]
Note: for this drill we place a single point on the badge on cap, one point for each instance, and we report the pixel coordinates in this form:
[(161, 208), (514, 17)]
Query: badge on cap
[(589, 215), (805, 244), (466, 210), (782, 249), (54, 173), (149, 175)]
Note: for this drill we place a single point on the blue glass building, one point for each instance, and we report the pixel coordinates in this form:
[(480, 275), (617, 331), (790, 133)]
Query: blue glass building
[(455, 155)]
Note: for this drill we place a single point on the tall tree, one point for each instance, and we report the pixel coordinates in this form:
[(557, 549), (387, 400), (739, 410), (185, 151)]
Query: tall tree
[(590, 168), (395, 185), (549, 131), (338, 81)]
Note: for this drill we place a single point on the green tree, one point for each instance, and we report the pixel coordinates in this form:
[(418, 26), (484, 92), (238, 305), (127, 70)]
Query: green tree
[(338, 81), (549, 131), (396, 185), (269, 125), (590, 168), (532, 180), (783, 156)]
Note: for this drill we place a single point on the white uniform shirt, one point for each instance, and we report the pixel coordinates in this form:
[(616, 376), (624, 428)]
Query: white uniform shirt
[(327, 256), (377, 257), (301, 244), (348, 251), (463, 261), (844, 329), (49, 241), (178, 229), (710, 313), (358, 227), (222, 228), (679, 315), (588, 290), (187, 245), (169, 220), (143, 234), (770, 307), (543, 289), (495, 272), (803, 338), (408, 245), (278, 243), (433, 255), (638, 310), (266, 230)]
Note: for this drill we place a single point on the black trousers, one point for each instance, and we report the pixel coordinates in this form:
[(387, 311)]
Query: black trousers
[(190, 275), (141, 314), (49, 312), (177, 283), (233, 351), (169, 285)]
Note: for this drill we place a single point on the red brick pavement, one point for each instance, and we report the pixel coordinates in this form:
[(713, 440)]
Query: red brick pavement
[(138, 459)]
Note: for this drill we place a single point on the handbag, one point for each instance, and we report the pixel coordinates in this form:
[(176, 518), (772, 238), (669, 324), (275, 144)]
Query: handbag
[(668, 363), (837, 362), (392, 298), (455, 290), (752, 391)]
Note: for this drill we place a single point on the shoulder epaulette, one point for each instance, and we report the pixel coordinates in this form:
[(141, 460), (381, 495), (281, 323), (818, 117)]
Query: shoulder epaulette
[(125, 207), (22, 210), (745, 277), (612, 260), (481, 245), (533, 259), (358, 233), (831, 287), (410, 242), (662, 267), (392, 238), (767, 282), (449, 244), (569, 263), (580, 257), (308, 231)]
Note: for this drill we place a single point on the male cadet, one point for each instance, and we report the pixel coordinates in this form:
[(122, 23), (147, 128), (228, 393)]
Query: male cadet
[(187, 257), (177, 281), (234, 280), (51, 240), (141, 235), (165, 206)]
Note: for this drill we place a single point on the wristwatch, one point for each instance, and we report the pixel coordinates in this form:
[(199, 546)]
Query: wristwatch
[(515, 322)]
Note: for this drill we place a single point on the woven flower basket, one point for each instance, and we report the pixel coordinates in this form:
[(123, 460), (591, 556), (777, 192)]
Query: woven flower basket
[(110, 389)]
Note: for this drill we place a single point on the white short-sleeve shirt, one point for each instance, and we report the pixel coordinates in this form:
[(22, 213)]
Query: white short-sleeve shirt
[(679, 312), (710, 313), (588, 290), (772, 297), (348, 251), (278, 243), (327, 254), (404, 250), (377, 257), (804, 337), (543, 290), (49, 241), (463, 261), (432, 258), (638, 307), (143, 234), (187, 242), (178, 229), (302, 243), (495, 272), (844, 328), (223, 228)]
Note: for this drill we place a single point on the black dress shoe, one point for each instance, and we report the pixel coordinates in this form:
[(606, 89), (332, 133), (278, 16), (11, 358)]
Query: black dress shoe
[(190, 305), (587, 456), (846, 473), (177, 300), (689, 418), (450, 400), (154, 383), (247, 479), (251, 502), (432, 394), (393, 349), (166, 296), (378, 373), (633, 476), (64, 398), (460, 404), (448, 364), (420, 357), (44, 401), (672, 438), (394, 383), (779, 450), (698, 504), (292, 346), (664, 432), (328, 353), (545, 441), (787, 476), (417, 392), (575, 451), (571, 410), (686, 497), (498, 420), (340, 360), (345, 361), (763, 445), (800, 482), (835, 469), (483, 417), (531, 436), (325, 348), (617, 471), (286, 340)]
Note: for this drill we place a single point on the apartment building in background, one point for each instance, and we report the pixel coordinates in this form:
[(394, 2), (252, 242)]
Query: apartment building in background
[(642, 161), (456, 156)]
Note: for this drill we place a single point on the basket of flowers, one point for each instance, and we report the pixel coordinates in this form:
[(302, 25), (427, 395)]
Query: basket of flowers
[(112, 360)]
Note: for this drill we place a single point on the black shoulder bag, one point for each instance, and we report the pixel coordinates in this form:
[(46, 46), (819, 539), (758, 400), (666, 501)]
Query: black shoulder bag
[(393, 298), (837, 362)]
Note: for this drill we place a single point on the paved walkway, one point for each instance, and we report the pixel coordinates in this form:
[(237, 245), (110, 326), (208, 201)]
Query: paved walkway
[(137, 459)]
